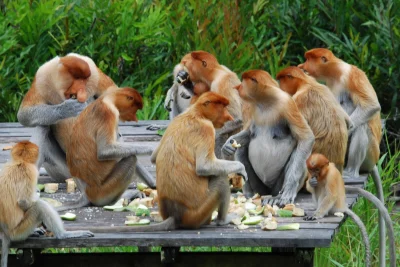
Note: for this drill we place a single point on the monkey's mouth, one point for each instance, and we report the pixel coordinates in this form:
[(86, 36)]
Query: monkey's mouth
[(73, 96)]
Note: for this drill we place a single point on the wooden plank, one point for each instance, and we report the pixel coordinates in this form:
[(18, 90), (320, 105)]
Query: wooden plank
[(303, 238)]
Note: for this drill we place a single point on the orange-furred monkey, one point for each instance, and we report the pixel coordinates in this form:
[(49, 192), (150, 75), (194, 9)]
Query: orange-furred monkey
[(21, 211), (326, 118), (328, 191), (49, 102), (276, 143), (102, 166)]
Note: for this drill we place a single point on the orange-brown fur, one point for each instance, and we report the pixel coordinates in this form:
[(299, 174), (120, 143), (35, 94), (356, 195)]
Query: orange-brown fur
[(330, 184), (18, 181), (99, 121), (355, 81), (177, 181), (323, 114)]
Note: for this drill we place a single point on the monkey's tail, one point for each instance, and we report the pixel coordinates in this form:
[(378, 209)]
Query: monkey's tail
[(382, 233), (364, 234), (166, 225), (5, 246), (383, 213)]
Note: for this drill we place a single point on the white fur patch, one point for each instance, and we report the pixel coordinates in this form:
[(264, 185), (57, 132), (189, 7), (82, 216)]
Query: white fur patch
[(109, 101)]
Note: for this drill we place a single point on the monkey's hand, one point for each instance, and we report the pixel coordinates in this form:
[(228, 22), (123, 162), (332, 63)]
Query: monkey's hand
[(309, 218), (243, 173), (40, 231), (313, 181), (70, 108), (185, 95), (228, 149), (142, 150), (182, 77), (155, 127)]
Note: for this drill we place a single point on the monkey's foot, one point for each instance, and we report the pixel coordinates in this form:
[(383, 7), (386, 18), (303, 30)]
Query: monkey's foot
[(222, 222), (38, 232), (132, 194), (310, 218), (278, 200), (348, 174)]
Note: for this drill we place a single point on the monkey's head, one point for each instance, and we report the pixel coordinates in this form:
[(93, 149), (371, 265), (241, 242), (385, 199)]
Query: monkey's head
[(290, 79), (76, 72), (318, 63), (213, 107), (128, 101), (199, 65), (256, 84), (316, 164), (25, 151)]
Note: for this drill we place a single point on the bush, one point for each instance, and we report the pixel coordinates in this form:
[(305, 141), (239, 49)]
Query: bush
[(137, 43)]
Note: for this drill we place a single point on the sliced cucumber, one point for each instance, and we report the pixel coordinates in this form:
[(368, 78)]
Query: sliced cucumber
[(141, 186), (250, 206), (253, 220), (285, 213), (257, 211), (68, 216), (40, 187), (142, 210), (290, 226)]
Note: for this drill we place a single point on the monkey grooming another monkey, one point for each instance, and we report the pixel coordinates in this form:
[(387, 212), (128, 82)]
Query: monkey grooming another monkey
[(191, 181), (20, 209), (328, 191), (103, 166), (326, 118), (277, 142), (50, 101)]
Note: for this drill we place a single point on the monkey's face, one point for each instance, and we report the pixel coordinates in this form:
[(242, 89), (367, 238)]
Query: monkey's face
[(128, 101), (289, 83), (214, 107), (315, 163), (317, 62), (199, 65), (77, 72), (220, 115)]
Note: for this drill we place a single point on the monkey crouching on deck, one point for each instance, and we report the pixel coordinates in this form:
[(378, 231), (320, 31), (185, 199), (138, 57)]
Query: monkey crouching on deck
[(20, 209)]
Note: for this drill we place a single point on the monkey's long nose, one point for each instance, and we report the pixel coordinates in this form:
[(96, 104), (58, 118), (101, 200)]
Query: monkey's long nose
[(301, 66), (238, 87), (82, 95)]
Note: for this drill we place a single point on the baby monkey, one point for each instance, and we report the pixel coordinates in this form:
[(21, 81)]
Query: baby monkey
[(20, 209), (328, 192)]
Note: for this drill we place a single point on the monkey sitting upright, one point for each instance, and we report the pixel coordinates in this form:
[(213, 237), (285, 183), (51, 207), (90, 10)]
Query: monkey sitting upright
[(20, 209), (102, 165)]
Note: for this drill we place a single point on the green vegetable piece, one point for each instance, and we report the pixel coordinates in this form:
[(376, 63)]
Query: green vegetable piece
[(68, 216), (141, 186), (141, 222), (257, 211), (253, 220), (40, 187), (285, 213), (290, 226)]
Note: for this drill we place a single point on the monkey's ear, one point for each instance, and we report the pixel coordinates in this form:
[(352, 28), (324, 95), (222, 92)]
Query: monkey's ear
[(129, 97), (204, 63), (254, 80), (324, 59)]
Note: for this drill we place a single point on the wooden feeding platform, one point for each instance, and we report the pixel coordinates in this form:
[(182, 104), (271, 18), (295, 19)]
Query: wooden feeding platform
[(288, 248)]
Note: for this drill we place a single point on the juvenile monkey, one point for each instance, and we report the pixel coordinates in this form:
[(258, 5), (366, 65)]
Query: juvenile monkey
[(20, 209), (326, 118), (104, 166), (191, 181), (49, 101), (328, 191), (277, 142)]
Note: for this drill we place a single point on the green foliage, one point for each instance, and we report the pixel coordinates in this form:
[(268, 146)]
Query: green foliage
[(137, 42)]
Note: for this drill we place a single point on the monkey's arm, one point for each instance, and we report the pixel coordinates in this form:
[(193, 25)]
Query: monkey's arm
[(208, 165), (362, 115), (242, 138), (108, 149), (297, 163), (43, 114)]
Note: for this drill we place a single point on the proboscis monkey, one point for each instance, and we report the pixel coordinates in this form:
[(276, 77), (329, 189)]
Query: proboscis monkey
[(191, 181), (49, 102), (356, 95), (328, 191), (277, 142), (207, 74), (326, 118), (20, 209), (103, 166)]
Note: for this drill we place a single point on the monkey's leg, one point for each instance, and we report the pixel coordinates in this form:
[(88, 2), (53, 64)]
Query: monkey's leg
[(51, 156), (114, 184), (358, 148), (5, 247), (221, 185)]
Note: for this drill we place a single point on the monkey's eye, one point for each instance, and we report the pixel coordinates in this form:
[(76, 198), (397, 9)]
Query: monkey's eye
[(204, 63), (206, 103), (324, 59), (254, 80), (289, 76), (129, 97)]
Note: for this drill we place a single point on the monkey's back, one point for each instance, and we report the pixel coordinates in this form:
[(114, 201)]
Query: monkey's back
[(322, 113), (17, 181), (177, 180), (82, 152)]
